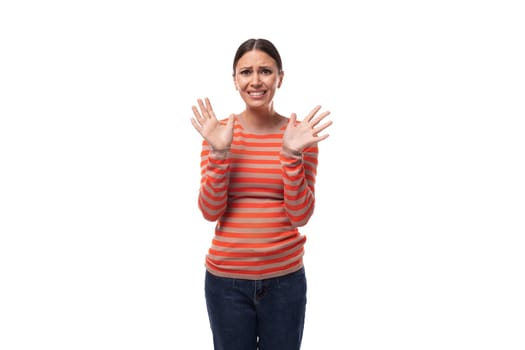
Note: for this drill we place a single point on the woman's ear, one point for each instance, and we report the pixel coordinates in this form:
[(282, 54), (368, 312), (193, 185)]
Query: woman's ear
[(281, 76)]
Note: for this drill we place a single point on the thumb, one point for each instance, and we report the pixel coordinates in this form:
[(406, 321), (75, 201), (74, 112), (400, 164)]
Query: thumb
[(293, 118), (229, 123)]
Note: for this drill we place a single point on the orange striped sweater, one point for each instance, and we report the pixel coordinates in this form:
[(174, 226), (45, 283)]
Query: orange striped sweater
[(259, 195)]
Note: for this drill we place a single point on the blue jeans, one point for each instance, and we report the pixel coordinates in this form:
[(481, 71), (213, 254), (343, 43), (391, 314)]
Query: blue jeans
[(263, 314)]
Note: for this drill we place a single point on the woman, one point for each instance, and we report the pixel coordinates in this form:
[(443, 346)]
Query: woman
[(258, 171)]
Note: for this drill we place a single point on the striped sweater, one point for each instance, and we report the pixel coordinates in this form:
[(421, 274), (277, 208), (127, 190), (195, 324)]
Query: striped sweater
[(259, 194)]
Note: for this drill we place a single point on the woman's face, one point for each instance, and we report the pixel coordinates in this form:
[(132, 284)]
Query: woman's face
[(257, 78)]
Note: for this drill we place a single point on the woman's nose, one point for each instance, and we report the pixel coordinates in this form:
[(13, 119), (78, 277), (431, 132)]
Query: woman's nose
[(256, 79)]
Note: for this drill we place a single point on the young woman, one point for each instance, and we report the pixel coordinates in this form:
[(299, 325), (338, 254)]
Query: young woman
[(258, 171)]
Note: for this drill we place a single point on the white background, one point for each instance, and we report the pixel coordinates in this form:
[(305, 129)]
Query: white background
[(417, 239)]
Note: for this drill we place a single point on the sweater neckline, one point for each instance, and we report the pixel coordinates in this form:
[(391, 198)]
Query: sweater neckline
[(279, 127)]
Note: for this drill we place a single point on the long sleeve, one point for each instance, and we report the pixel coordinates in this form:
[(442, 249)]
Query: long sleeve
[(213, 192), (299, 173)]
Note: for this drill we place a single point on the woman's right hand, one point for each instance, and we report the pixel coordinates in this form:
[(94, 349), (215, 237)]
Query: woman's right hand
[(218, 135)]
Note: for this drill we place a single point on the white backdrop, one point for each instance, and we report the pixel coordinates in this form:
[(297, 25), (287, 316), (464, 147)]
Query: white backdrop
[(417, 239)]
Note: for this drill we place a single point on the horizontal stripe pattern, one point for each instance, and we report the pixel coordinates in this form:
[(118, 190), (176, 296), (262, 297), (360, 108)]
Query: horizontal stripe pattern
[(259, 196)]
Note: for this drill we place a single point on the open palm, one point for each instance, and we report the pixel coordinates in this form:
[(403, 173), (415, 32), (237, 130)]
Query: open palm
[(218, 135), (299, 136)]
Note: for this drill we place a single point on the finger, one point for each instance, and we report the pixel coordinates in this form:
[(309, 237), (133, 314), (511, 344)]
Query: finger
[(293, 118), (312, 113), (321, 128), (203, 109), (320, 117), (208, 104), (197, 115), (229, 123), (196, 125), (209, 108), (321, 138)]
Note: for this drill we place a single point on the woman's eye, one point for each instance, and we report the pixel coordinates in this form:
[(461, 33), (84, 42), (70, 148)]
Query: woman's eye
[(245, 72), (266, 71)]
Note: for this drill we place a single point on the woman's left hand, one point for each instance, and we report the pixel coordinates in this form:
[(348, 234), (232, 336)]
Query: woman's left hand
[(299, 136)]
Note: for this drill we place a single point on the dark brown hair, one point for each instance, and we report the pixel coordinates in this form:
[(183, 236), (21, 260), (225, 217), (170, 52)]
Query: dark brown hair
[(258, 44)]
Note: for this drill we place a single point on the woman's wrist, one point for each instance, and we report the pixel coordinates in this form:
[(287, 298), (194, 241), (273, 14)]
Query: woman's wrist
[(219, 153), (288, 150)]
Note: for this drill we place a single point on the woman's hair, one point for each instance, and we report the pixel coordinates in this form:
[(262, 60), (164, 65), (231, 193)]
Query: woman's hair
[(258, 44)]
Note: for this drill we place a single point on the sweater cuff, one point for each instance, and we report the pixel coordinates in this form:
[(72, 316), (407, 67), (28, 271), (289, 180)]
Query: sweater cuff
[(219, 154)]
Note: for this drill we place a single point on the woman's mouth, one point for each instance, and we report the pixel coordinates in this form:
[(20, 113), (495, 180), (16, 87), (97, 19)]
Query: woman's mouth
[(256, 93)]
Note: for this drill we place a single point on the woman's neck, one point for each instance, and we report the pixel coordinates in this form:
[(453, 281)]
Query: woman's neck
[(261, 120)]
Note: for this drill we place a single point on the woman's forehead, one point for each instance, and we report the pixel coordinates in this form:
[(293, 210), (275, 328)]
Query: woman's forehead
[(256, 58)]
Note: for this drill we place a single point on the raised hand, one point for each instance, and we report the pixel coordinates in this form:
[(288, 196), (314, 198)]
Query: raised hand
[(218, 135), (299, 136)]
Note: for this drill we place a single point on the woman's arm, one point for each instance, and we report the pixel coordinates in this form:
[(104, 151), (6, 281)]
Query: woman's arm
[(213, 192), (299, 173)]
